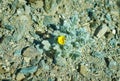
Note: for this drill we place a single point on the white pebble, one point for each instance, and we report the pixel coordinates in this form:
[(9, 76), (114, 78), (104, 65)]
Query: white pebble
[(114, 31)]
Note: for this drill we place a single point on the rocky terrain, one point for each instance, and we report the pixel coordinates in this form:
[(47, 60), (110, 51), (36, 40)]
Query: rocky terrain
[(60, 40)]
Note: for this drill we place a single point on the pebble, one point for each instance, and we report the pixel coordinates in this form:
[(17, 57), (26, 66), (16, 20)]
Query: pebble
[(47, 20), (27, 10), (118, 73), (101, 30), (39, 71), (112, 42), (30, 69), (109, 35), (30, 52), (114, 31), (37, 3), (50, 5), (19, 11), (2, 70), (9, 27), (19, 33), (60, 61), (46, 44), (113, 65), (17, 52), (108, 17), (44, 65), (39, 49), (22, 1), (83, 70), (27, 59), (98, 54), (20, 77)]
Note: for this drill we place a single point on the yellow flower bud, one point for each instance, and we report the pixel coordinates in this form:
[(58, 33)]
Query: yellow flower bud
[(61, 40)]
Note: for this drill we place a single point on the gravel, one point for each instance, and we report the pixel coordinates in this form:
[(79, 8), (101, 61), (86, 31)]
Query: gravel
[(29, 50)]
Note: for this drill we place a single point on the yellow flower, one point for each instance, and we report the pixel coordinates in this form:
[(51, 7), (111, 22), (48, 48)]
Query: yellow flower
[(61, 40)]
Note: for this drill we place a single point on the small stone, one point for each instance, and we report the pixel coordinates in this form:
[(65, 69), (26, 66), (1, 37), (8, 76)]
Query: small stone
[(113, 65), (2, 70), (109, 35), (113, 42), (39, 49), (22, 1), (30, 69), (30, 52), (44, 65), (47, 20), (50, 79), (115, 13), (100, 31), (19, 11), (9, 27), (98, 54), (46, 45), (118, 50), (27, 59), (36, 3), (118, 73), (20, 76), (27, 10), (39, 71), (108, 17), (17, 52), (114, 31), (60, 61), (1, 62), (50, 5), (19, 33), (35, 36), (83, 70)]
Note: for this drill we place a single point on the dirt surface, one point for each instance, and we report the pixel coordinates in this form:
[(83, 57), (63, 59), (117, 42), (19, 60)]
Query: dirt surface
[(60, 40)]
